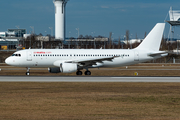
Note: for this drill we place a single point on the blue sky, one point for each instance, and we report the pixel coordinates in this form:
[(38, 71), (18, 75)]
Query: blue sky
[(92, 17)]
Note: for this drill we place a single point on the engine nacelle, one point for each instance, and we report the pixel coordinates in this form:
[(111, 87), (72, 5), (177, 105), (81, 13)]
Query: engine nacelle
[(68, 67), (64, 68), (54, 70)]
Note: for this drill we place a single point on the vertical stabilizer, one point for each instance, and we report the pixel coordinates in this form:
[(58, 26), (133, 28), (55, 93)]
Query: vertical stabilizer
[(153, 40)]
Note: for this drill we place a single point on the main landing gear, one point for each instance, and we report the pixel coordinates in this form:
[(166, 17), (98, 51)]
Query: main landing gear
[(28, 73), (79, 72), (86, 73)]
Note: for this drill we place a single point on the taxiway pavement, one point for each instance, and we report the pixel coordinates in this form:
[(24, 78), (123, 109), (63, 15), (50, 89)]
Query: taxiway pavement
[(87, 79)]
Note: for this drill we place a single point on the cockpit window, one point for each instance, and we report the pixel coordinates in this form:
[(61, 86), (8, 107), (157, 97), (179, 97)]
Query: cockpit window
[(17, 55)]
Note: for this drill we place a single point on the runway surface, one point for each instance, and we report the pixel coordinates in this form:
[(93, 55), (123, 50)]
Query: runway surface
[(87, 79)]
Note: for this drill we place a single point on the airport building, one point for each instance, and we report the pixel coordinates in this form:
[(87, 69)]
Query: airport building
[(10, 39), (12, 33)]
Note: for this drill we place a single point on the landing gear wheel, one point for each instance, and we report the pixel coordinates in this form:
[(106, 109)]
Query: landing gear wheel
[(27, 73), (87, 73), (78, 73)]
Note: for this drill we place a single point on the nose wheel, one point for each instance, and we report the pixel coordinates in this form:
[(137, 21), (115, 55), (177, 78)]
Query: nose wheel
[(28, 73)]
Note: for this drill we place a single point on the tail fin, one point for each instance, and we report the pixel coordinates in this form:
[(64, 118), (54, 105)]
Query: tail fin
[(153, 40)]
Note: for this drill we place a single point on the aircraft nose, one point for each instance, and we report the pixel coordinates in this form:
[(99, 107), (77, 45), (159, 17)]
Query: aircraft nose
[(7, 61)]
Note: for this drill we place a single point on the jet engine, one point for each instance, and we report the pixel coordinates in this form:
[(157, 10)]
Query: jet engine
[(54, 70), (68, 67), (64, 68)]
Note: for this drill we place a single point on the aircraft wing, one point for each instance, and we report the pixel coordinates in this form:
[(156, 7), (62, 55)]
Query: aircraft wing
[(90, 62)]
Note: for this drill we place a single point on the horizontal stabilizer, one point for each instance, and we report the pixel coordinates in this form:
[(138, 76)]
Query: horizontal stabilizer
[(157, 53)]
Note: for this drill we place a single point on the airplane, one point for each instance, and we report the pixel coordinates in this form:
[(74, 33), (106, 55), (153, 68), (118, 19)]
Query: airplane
[(75, 60)]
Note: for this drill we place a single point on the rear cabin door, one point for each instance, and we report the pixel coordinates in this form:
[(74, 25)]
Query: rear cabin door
[(136, 56), (29, 56)]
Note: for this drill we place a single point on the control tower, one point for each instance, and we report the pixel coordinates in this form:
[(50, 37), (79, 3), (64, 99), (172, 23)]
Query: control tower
[(60, 19)]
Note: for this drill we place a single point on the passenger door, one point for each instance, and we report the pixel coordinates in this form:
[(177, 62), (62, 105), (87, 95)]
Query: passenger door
[(29, 56), (136, 56)]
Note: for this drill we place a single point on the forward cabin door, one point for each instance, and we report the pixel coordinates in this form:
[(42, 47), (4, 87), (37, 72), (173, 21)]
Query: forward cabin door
[(136, 56), (29, 55)]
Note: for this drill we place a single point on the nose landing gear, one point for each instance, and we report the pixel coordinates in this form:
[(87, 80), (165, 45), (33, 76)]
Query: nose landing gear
[(28, 73)]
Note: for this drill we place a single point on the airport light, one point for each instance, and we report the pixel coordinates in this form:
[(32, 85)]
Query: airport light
[(69, 34), (18, 30), (51, 28), (78, 32), (32, 27)]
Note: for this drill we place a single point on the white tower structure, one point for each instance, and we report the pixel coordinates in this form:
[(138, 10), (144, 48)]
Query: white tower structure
[(174, 21), (174, 15), (60, 18)]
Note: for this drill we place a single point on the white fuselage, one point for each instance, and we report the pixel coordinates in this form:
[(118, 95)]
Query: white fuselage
[(47, 57)]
